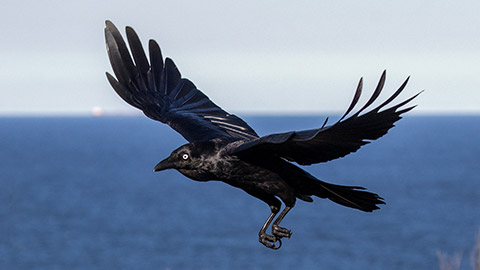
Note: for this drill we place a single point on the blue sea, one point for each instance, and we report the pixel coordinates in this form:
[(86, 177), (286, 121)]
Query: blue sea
[(79, 193)]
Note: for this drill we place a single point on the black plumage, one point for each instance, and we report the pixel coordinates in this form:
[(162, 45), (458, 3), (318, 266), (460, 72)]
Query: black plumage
[(223, 147)]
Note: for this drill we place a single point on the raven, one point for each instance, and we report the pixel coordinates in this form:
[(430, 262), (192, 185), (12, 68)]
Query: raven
[(223, 147)]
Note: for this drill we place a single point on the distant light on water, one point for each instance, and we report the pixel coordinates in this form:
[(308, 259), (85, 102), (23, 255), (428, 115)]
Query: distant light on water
[(97, 111)]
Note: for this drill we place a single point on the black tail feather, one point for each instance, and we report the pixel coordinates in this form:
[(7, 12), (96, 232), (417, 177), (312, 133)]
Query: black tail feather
[(350, 196)]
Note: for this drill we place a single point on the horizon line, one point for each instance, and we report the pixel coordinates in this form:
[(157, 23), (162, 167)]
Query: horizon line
[(128, 113)]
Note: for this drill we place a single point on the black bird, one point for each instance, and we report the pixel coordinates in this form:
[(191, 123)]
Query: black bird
[(223, 147)]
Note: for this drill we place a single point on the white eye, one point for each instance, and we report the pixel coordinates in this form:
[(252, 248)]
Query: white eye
[(185, 156)]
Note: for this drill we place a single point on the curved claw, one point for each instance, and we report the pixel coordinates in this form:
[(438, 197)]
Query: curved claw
[(279, 245), (281, 232), (269, 241)]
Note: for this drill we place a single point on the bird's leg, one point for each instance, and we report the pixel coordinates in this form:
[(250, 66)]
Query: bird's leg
[(263, 237), (278, 231)]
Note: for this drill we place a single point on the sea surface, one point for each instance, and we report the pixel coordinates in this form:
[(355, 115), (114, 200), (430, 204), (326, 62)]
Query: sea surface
[(79, 193)]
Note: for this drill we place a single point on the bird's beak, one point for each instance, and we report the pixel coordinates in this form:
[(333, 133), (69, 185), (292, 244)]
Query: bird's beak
[(163, 165)]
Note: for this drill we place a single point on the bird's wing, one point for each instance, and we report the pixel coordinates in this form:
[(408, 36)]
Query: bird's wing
[(334, 141), (158, 90)]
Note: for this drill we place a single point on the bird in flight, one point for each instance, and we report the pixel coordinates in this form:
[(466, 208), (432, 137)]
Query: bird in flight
[(223, 147)]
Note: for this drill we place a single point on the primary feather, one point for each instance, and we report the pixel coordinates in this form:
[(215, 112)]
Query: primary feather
[(158, 89), (338, 140)]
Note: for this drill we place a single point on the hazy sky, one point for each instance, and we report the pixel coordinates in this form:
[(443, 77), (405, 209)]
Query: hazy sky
[(247, 56)]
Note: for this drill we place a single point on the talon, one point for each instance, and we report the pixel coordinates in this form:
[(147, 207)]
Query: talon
[(267, 237), (280, 232), (269, 241), (279, 245), (270, 238)]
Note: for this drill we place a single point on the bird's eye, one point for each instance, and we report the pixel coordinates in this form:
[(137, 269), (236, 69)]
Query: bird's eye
[(185, 156)]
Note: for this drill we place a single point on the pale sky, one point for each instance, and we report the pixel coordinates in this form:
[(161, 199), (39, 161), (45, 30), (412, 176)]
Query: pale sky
[(248, 56)]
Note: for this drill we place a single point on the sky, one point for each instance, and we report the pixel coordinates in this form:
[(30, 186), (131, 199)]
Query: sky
[(250, 57)]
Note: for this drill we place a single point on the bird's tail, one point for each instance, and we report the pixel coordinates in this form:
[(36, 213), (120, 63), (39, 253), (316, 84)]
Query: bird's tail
[(350, 196)]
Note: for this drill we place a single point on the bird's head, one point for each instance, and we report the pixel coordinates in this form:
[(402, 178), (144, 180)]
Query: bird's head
[(189, 159), (182, 157)]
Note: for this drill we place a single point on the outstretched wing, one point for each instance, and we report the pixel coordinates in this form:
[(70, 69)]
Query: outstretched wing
[(338, 140), (158, 90)]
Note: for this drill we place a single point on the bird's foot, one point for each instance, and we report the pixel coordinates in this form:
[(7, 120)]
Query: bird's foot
[(281, 232), (269, 240)]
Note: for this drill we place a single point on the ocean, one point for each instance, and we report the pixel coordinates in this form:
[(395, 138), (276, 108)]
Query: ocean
[(79, 193)]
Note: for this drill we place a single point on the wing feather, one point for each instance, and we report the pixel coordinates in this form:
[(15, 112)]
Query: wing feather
[(356, 97), (334, 141), (157, 88), (375, 94)]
